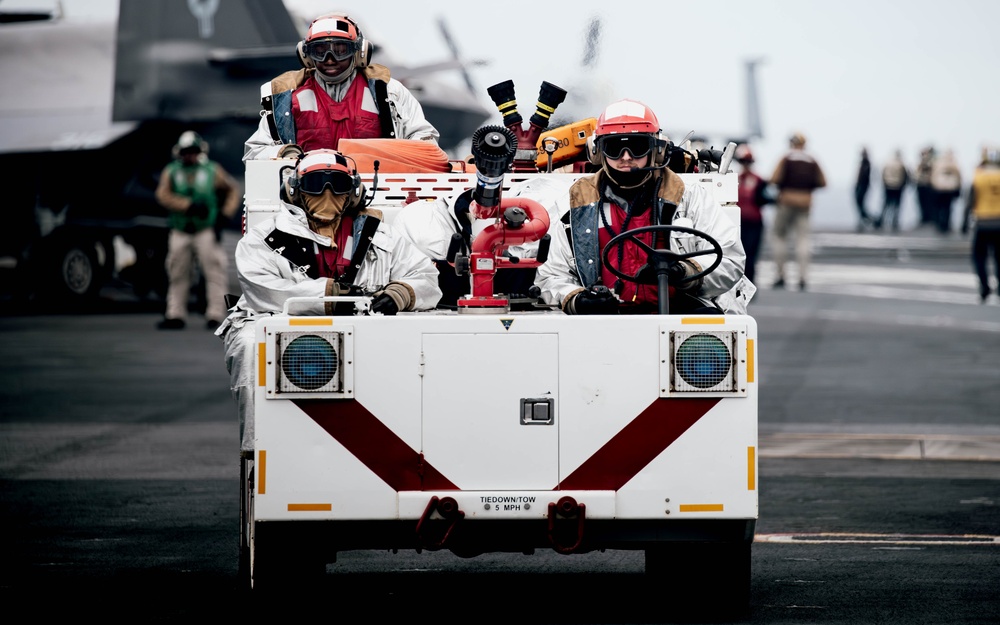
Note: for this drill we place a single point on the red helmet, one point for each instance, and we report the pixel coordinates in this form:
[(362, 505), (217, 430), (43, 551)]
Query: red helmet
[(743, 154), (626, 124), (627, 116), (333, 26), (334, 34)]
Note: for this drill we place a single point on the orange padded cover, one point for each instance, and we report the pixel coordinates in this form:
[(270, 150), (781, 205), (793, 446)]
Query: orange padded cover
[(395, 156)]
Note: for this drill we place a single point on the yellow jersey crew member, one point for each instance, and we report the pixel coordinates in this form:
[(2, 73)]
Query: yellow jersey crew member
[(984, 207)]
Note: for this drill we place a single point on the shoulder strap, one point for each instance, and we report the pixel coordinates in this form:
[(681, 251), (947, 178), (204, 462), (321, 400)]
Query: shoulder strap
[(567, 225), (288, 81), (666, 212), (384, 109), (267, 103), (361, 249), (296, 250)]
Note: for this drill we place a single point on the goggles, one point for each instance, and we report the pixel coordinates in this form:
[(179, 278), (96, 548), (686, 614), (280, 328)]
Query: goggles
[(315, 182), (614, 146), (341, 49)]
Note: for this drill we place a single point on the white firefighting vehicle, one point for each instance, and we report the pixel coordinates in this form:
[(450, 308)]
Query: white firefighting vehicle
[(496, 429)]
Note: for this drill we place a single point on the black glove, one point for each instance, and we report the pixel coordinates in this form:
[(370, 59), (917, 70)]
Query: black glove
[(679, 270), (198, 210), (676, 273), (598, 300), (384, 304)]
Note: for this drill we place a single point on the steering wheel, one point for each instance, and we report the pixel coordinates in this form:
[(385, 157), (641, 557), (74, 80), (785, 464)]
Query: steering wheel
[(660, 259)]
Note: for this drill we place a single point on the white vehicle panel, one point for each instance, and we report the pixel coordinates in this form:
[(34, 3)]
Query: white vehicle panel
[(472, 419), (508, 505), (301, 472), (454, 413)]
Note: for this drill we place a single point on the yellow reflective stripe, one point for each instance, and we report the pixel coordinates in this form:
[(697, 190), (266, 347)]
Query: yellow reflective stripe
[(261, 364), (701, 507), (310, 321), (261, 472), (703, 320), (309, 507), (751, 468), (750, 361)]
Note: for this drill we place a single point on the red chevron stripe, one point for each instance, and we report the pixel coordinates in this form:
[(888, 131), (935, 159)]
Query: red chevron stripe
[(644, 438), (378, 447), (610, 468)]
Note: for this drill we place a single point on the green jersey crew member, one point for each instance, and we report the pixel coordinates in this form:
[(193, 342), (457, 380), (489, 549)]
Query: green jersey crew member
[(195, 191)]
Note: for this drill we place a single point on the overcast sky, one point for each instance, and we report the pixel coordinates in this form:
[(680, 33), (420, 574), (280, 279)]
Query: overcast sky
[(880, 73), (884, 74)]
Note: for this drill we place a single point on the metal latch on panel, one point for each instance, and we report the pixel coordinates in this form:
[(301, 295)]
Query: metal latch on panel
[(538, 411)]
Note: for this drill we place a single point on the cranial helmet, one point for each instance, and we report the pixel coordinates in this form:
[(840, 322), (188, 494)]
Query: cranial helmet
[(334, 34), (627, 116), (190, 141), (991, 155), (623, 122), (318, 170), (743, 154)]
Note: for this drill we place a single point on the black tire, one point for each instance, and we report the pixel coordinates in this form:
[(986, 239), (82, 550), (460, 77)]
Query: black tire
[(281, 565), (274, 560), (245, 574), (148, 275), (705, 580), (74, 271)]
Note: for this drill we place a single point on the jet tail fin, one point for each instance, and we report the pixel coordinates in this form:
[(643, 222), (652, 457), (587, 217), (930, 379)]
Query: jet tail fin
[(754, 129), (199, 60)]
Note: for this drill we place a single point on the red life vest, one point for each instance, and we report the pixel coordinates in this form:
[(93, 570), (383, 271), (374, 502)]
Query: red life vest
[(632, 259), (332, 121), (749, 184), (333, 261)]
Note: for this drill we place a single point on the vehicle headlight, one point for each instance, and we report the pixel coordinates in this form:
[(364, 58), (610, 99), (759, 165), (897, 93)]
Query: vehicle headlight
[(704, 361), (309, 362)]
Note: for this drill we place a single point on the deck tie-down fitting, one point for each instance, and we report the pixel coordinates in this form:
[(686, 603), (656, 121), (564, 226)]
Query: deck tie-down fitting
[(566, 508), (447, 508)]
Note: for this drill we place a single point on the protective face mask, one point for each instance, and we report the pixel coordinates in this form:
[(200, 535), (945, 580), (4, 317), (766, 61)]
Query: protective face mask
[(324, 211)]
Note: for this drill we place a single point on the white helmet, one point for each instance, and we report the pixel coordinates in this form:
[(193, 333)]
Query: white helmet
[(319, 170), (991, 155), (190, 141)]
